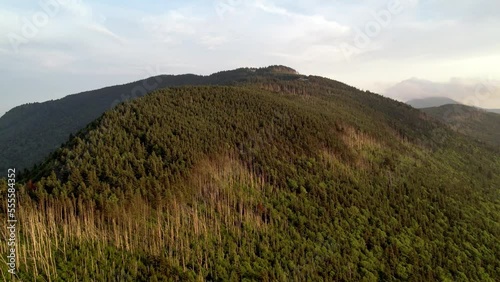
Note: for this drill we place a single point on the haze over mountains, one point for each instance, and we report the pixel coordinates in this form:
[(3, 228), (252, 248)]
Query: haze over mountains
[(438, 102), (431, 102), (480, 124), (481, 93)]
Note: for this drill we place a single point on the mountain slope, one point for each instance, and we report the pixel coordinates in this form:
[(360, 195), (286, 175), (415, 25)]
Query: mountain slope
[(30, 132), (431, 102), (276, 180), (476, 123)]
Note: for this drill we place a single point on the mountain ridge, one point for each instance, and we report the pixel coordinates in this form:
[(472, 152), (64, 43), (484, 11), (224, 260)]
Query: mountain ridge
[(323, 184), (22, 126)]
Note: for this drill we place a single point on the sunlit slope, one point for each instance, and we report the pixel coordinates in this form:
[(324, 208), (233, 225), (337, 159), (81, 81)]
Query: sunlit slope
[(274, 181)]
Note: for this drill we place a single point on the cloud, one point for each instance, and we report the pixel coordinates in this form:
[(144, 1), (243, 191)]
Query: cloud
[(77, 7), (55, 59), (441, 40), (185, 27), (303, 24), (101, 29), (172, 27), (297, 37), (4, 51), (465, 11), (430, 39), (8, 20), (213, 41)]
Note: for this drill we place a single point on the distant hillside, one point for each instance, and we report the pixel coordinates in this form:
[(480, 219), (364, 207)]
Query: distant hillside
[(438, 102), (280, 179), (476, 123), (30, 132), (431, 102)]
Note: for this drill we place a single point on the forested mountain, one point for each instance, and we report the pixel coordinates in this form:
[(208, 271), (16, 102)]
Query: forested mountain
[(433, 102), (282, 178), (30, 132), (476, 123)]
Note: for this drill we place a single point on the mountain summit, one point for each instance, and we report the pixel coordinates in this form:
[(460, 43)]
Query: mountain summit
[(280, 69)]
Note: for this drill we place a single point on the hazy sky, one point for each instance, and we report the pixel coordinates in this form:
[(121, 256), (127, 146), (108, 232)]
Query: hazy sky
[(406, 48)]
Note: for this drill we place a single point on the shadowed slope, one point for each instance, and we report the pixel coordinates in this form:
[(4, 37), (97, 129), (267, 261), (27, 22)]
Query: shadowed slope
[(476, 123)]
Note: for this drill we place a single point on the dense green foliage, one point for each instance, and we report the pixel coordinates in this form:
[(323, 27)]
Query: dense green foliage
[(30, 132), (476, 123), (283, 179)]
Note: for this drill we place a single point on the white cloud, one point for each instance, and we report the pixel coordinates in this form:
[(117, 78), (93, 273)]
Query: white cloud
[(171, 27), (77, 8), (434, 40), (302, 24), (297, 38), (55, 59), (101, 29), (8, 20), (213, 41)]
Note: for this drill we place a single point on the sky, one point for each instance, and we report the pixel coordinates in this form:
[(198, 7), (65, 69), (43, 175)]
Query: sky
[(403, 49)]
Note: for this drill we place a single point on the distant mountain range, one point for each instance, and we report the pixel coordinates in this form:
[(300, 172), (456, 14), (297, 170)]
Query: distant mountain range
[(480, 124), (437, 102), (431, 102)]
